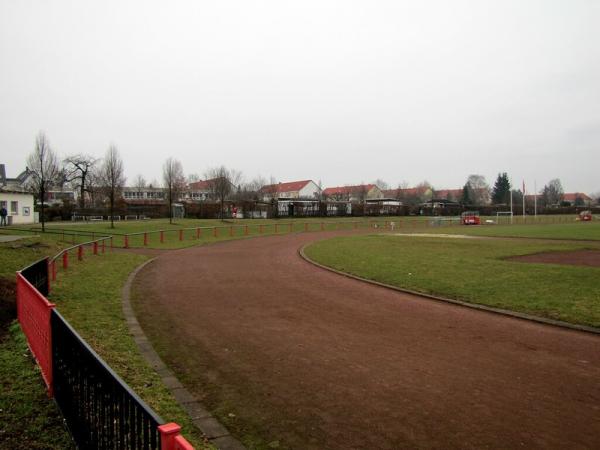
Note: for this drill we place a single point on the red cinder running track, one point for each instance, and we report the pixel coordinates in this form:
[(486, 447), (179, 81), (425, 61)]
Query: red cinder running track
[(312, 359)]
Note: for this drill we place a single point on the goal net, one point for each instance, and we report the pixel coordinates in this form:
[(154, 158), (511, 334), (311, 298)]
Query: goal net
[(504, 217)]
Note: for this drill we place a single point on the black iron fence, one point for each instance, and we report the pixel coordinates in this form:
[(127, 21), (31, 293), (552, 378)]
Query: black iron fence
[(37, 275), (101, 411)]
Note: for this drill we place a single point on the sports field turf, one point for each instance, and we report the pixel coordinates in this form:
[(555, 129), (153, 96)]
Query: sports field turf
[(473, 270)]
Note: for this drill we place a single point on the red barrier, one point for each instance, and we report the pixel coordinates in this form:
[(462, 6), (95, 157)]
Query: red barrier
[(80, 253), (171, 439), (126, 243), (33, 312), (162, 236), (65, 260), (103, 245), (145, 239)]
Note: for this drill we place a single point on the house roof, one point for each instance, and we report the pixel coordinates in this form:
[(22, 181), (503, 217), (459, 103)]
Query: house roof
[(290, 186), (202, 185), (445, 193), (568, 196), (394, 193), (348, 189)]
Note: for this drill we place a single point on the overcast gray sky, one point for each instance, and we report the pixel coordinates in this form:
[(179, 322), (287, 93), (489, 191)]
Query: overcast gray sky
[(341, 91)]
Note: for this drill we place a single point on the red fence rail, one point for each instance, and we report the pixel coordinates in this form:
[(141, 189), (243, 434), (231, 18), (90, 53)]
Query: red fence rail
[(33, 313)]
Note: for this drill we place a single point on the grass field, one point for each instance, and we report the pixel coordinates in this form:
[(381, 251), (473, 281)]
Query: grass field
[(589, 231), (89, 297), (473, 270)]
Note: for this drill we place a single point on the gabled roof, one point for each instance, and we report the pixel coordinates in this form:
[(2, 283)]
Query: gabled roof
[(290, 186), (396, 193), (348, 189), (202, 185), (572, 196)]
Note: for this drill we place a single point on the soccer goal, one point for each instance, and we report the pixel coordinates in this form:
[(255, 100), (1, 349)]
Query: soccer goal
[(504, 217)]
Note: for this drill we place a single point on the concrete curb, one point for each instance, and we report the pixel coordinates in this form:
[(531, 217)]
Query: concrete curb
[(216, 433), (504, 312)]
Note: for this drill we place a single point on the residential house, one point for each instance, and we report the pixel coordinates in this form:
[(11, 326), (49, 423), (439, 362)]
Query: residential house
[(354, 194), (203, 190), (305, 189), (143, 195), (17, 201)]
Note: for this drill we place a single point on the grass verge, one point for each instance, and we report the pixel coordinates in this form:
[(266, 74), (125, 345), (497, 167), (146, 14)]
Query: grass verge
[(89, 297), (28, 418), (474, 270)]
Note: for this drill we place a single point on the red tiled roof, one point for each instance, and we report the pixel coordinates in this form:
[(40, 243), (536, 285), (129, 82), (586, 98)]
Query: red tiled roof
[(202, 185), (394, 193), (567, 197), (348, 189), (445, 193), (290, 186)]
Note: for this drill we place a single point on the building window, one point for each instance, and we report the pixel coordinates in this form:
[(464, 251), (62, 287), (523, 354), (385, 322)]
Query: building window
[(3, 204), (26, 210), (14, 208)]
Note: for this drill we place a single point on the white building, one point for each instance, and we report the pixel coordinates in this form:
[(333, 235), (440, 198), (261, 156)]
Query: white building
[(305, 189), (19, 206)]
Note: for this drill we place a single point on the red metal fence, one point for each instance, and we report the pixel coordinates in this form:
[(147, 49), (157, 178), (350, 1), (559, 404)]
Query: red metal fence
[(33, 312)]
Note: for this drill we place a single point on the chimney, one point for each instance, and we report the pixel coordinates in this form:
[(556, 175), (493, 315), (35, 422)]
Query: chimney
[(2, 175)]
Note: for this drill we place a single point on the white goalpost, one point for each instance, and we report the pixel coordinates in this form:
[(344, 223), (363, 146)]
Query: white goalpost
[(507, 214)]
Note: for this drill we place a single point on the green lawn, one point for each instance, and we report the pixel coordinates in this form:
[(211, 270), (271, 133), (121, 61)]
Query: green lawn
[(89, 297), (569, 231), (473, 270), (28, 418)]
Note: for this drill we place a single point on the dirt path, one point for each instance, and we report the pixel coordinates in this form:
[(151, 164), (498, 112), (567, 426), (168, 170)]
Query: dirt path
[(589, 258), (311, 359)]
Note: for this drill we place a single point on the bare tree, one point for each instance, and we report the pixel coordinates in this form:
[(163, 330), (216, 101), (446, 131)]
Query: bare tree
[(139, 182), (43, 164), (381, 184), (173, 182), (553, 192), (78, 167), (112, 178), (223, 183), (478, 189), (193, 178)]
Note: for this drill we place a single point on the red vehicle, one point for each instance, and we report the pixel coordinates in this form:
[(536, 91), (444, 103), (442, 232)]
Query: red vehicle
[(585, 216), (470, 218)]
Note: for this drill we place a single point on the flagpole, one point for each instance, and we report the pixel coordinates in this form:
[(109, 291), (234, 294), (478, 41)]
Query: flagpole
[(535, 197), (523, 198)]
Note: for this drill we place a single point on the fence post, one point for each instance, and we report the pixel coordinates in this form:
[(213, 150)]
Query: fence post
[(322, 226), (291, 227), (305, 226), (111, 243), (215, 232), (276, 228), (65, 260), (260, 229), (80, 253), (181, 235), (95, 247), (198, 233), (168, 431), (145, 239), (162, 236), (103, 245), (53, 267), (231, 231), (246, 230), (126, 244)]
